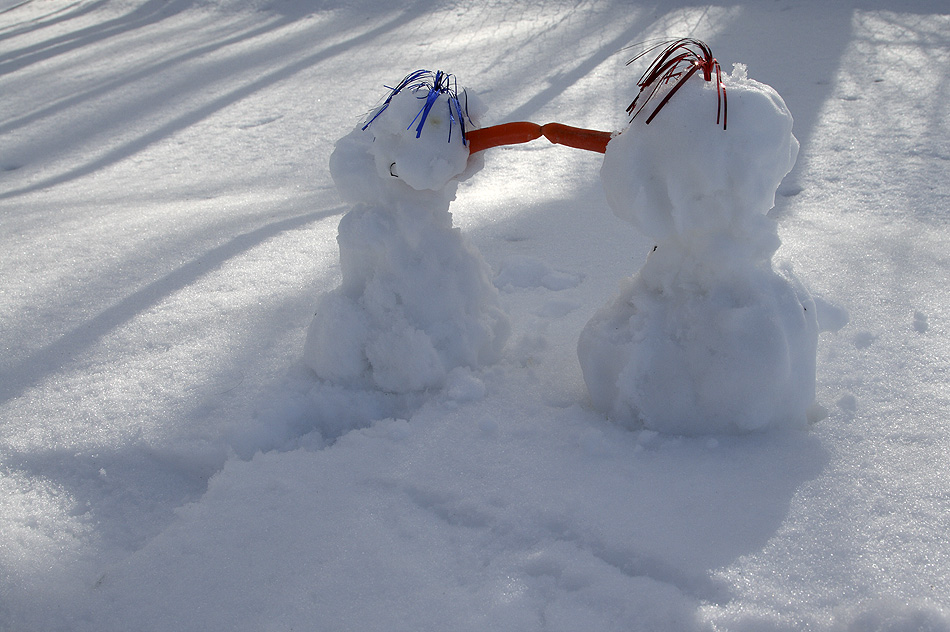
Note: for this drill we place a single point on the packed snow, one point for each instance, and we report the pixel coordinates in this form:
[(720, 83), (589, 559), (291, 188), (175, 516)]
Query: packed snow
[(416, 300), (183, 447), (706, 337)]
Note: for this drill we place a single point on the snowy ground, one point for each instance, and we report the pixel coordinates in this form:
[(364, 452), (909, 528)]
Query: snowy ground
[(168, 222)]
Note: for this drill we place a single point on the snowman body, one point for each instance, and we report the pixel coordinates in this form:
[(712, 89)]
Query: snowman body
[(707, 337), (416, 298)]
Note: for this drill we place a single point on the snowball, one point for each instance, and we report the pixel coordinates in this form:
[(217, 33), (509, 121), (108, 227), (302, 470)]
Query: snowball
[(683, 176), (353, 166), (386, 161), (335, 340), (428, 161)]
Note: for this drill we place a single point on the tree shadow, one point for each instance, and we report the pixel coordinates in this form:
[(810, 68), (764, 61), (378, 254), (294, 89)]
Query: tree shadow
[(129, 493), (146, 14), (57, 16), (787, 58), (690, 506), (148, 70), (216, 103), (33, 369)]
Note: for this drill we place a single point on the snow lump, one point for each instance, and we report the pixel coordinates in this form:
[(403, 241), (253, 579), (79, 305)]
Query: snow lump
[(416, 298), (707, 337)]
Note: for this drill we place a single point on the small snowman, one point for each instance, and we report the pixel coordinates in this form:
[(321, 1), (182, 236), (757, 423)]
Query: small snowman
[(416, 298), (707, 337)]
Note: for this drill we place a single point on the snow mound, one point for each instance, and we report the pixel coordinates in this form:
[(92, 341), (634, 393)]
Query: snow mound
[(417, 299), (707, 336)]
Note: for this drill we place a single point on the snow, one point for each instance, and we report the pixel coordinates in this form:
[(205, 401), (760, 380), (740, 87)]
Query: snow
[(706, 337), (168, 461), (416, 299)]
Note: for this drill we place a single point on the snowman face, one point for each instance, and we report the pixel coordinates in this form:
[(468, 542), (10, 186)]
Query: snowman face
[(683, 176), (395, 158), (423, 157)]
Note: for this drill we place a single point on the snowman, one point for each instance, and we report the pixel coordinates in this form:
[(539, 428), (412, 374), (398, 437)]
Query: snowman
[(708, 337), (416, 298)]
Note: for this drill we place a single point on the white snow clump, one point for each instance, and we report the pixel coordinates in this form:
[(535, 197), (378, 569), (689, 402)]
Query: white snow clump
[(707, 337), (416, 298)]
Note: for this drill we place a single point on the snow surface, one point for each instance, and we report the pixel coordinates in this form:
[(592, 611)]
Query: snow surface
[(169, 224)]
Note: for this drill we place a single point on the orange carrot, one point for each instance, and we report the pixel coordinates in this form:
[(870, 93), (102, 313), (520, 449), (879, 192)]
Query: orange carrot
[(504, 134), (579, 138)]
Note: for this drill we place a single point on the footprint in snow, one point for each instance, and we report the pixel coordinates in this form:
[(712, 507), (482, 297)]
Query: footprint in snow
[(523, 271), (864, 339), (557, 308)]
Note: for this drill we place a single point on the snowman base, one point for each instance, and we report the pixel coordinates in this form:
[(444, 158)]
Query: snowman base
[(728, 355), (416, 302)]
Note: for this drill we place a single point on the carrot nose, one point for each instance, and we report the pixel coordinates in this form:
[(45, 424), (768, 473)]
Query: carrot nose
[(579, 138), (523, 132), (504, 134)]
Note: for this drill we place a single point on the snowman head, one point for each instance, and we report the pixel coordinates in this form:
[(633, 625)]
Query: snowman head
[(412, 145), (680, 173)]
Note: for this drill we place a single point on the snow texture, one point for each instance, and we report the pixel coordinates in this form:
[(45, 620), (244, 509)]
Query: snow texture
[(416, 300), (706, 337), (169, 227)]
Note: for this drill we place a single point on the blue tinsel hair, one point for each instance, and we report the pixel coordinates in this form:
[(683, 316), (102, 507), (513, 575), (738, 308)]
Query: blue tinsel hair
[(431, 85)]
